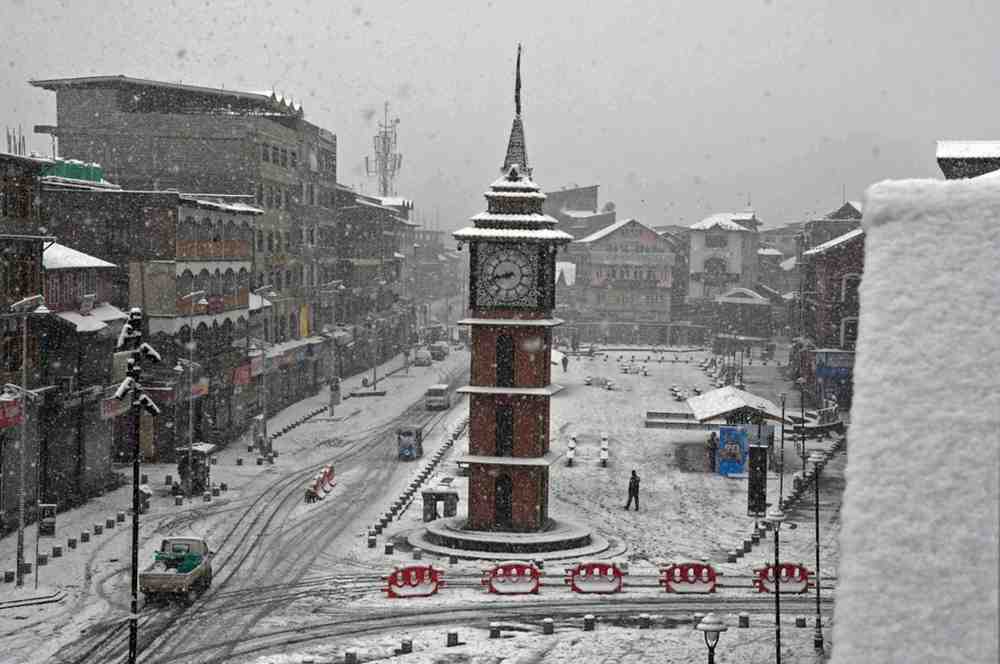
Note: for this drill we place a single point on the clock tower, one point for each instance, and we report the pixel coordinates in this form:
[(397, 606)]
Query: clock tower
[(512, 248)]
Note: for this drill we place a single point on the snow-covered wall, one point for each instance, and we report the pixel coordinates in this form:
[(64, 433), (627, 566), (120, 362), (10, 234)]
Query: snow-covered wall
[(918, 577)]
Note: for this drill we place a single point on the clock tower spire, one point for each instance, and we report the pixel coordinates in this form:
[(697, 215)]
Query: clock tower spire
[(517, 151)]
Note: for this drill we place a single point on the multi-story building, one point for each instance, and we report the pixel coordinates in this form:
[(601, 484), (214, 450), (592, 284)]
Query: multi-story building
[(76, 450), (21, 248), (155, 135), (576, 210), (723, 254), (830, 309), (622, 285)]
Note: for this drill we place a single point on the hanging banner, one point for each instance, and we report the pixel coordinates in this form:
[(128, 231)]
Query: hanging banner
[(732, 453), (257, 365), (10, 413), (200, 388), (241, 375), (111, 408)]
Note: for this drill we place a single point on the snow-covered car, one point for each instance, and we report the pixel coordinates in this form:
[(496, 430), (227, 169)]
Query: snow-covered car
[(182, 567)]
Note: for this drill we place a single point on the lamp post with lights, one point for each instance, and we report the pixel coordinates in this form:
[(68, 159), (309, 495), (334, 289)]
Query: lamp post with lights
[(191, 298), (711, 627)]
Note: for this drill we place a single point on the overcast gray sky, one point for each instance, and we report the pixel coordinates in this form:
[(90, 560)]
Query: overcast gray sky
[(677, 109)]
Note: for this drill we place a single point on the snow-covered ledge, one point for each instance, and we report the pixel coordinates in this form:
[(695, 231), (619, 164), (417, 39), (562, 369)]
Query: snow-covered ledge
[(918, 579)]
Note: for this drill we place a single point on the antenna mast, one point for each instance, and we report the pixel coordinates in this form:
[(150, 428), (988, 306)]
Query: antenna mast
[(387, 162)]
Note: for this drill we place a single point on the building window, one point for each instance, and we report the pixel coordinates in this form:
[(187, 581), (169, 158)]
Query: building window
[(505, 431), (505, 361), (284, 157), (294, 158), (265, 152), (503, 501), (849, 289), (715, 240), (849, 332), (275, 157)]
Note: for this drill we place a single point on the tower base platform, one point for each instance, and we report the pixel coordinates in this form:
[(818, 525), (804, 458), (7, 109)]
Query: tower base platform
[(563, 539)]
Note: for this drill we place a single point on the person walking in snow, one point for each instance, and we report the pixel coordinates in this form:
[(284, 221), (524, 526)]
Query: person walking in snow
[(565, 362), (633, 491)]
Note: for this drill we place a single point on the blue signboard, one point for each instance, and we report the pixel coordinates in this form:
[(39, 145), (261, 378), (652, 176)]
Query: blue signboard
[(732, 452)]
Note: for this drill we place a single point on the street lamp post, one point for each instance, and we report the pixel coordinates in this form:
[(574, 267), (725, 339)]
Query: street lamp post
[(781, 459), (711, 627), (190, 297), (776, 516), (817, 459), (25, 307), (802, 425)]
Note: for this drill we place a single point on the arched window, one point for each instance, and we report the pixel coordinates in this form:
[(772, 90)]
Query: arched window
[(505, 431), (849, 285), (505, 360), (215, 286), (503, 501), (205, 230), (260, 240), (188, 230), (243, 278), (270, 241), (185, 283), (229, 283), (293, 326), (203, 282)]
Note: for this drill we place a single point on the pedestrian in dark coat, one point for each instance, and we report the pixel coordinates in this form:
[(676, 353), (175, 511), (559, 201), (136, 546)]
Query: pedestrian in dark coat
[(565, 363), (633, 491)]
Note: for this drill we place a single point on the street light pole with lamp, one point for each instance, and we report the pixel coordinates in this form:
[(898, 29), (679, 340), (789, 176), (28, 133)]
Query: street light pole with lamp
[(711, 627), (776, 517), (817, 458), (781, 458), (267, 290), (801, 383), (34, 304), (190, 297)]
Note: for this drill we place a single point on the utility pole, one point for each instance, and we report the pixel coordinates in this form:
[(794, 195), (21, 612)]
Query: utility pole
[(130, 338), (387, 162)]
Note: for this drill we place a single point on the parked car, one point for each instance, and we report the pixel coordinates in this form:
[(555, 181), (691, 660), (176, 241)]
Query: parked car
[(439, 350), (422, 358), (181, 568), (437, 397)]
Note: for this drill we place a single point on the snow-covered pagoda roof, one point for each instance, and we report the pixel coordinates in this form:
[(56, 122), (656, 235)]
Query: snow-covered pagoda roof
[(604, 232), (60, 257), (968, 149), (723, 220), (530, 234), (720, 403), (835, 242)]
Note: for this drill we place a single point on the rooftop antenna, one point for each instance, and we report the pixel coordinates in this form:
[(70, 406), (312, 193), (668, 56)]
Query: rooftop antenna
[(387, 162)]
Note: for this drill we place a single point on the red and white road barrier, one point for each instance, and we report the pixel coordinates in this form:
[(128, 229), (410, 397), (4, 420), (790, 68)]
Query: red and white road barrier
[(688, 578), (512, 578), (595, 577), (793, 577), (413, 581)]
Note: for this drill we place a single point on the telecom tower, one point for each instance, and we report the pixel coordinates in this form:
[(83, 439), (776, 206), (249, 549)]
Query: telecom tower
[(387, 161)]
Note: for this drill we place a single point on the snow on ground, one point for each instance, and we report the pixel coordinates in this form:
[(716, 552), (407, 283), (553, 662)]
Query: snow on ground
[(919, 580), (524, 644), (95, 576)]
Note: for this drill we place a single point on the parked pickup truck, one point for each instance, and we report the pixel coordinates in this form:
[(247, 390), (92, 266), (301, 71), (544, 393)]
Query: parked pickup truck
[(181, 568)]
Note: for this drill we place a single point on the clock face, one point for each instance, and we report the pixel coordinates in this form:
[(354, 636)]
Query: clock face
[(507, 276)]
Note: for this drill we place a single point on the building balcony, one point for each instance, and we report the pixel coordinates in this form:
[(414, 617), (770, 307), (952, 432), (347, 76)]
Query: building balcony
[(217, 304), (235, 250)]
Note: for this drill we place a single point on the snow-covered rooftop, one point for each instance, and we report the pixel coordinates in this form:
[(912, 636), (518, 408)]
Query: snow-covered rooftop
[(580, 214), (835, 242), (722, 220), (719, 403), (925, 374), (396, 201), (607, 230), (60, 257), (97, 319), (788, 263), (769, 251), (968, 149), (742, 296), (535, 234), (258, 302), (531, 218)]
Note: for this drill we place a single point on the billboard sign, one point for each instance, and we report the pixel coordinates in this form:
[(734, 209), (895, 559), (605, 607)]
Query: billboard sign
[(10, 413), (834, 363), (732, 452)]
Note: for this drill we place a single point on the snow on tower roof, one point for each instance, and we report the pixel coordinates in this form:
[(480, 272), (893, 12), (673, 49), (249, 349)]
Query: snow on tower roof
[(722, 220), (60, 257), (968, 149), (531, 234), (923, 460)]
